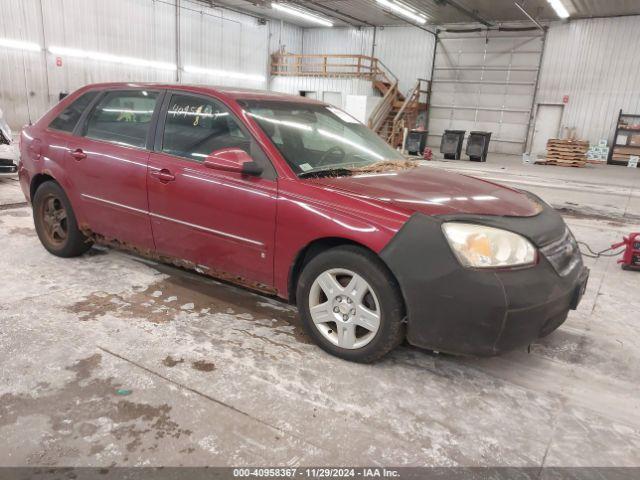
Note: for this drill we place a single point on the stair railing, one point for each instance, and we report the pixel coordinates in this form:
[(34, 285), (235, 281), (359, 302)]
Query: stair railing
[(331, 65), (324, 65), (383, 108), (381, 72), (411, 103)]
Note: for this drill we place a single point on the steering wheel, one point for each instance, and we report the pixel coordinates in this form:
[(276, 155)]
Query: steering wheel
[(332, 151)]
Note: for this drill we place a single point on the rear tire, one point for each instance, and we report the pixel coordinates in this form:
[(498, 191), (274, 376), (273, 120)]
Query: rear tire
[(55, 222), (350, 304)]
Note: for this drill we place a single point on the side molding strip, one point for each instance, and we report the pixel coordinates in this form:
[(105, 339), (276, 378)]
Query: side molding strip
[(192, 225)]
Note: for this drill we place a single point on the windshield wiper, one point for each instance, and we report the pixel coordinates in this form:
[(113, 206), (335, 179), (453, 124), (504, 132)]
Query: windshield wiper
[(329, 172)]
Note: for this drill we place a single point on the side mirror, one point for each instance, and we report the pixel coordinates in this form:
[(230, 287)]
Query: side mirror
[(232, 160)]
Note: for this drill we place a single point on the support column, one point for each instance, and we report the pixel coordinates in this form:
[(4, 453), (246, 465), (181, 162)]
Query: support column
[(178, 58)]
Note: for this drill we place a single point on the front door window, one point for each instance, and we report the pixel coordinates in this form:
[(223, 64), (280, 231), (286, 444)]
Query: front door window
[(197, 126)]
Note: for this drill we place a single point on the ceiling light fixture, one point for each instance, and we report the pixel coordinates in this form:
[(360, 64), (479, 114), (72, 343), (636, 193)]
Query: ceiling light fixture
[(404, 10), (560, 9), (224, 73), (304, 14), (20, 45), (106, 57)]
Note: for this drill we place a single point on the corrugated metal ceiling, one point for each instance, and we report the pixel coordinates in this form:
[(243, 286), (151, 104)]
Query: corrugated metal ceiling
[(368, 12)]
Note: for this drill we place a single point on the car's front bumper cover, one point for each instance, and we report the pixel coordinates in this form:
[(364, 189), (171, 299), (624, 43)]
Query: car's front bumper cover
[(481, 312)]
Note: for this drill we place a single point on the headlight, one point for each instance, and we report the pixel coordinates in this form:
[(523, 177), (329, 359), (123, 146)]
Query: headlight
[(477, 246)]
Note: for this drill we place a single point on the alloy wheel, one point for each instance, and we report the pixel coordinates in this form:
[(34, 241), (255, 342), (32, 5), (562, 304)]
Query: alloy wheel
[(54, 220), (344, 308)]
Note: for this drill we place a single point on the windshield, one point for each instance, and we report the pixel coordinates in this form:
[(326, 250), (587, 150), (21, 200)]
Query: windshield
[(319, 138)]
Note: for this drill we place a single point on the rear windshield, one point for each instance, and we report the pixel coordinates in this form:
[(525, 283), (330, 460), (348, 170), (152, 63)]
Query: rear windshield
[(318, 137)]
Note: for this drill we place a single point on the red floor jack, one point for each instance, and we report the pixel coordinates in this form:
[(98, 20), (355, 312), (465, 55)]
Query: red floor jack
[(631, 256)]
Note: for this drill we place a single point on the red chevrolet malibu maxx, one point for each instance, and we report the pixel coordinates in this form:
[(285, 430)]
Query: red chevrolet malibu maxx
[(297, 199)]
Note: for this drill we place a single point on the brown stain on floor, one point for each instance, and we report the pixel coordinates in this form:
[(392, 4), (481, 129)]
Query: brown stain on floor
[(81, 405), (184, 292), (203, 366), (129, 306), (12, 206), (169, 361)]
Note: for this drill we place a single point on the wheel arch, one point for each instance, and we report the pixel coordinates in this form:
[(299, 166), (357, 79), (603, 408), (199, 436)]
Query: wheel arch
[(316, 247), (38, 180)]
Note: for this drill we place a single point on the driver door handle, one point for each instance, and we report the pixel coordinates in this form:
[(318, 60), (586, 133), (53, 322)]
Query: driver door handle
[(164, 175)]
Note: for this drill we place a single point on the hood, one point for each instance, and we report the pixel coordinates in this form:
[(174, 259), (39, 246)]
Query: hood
[(434, 192)]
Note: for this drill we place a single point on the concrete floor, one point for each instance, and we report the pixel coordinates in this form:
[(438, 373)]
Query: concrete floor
[(111, 360)]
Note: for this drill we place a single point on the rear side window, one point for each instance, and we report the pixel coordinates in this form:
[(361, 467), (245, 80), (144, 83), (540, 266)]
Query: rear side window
[(122, 117), (195, 127), (69, 117)]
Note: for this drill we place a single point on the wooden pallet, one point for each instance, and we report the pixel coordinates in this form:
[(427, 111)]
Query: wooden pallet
[(566, 156), (562, 163), (568, 148), (565, 142), (570, 156), (566, 153)]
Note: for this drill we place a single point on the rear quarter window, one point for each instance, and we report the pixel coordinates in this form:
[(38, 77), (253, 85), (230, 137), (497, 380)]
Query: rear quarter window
[(68, 119)]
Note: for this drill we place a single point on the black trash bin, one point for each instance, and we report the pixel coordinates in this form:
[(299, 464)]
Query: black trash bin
[(416, 141), (478, 146), (451, 144)]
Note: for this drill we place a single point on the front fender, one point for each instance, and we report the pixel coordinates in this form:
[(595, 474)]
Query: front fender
[(303, 220)]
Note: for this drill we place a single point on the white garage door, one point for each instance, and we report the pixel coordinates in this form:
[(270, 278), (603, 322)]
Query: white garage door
[(487, 83)]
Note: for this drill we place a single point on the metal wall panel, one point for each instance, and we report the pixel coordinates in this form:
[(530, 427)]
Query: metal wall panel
[(407, 51), (320, 86), (133, 28), (337, 41), (226, 41), (23, 83), (485, 82), (349, 41), (286, 35), (596, 63), (210, 38)]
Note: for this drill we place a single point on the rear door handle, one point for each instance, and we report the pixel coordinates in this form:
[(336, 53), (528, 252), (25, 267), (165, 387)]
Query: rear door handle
[(78, 154), (164, 175)]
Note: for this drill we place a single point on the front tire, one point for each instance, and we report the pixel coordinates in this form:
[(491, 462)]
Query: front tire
[(55, 222), (350, 304)]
